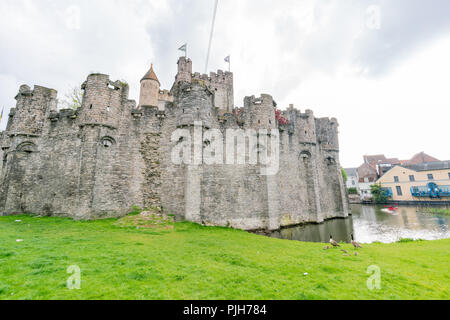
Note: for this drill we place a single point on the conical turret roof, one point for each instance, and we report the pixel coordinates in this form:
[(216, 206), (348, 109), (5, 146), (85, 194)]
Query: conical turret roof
[(151, 75)]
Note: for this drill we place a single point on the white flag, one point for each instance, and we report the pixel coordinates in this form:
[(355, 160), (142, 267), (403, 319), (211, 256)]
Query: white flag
[(183, 47), (227, 59)]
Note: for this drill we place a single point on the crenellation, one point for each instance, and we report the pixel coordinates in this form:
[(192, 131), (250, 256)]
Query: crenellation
[(112, 154)]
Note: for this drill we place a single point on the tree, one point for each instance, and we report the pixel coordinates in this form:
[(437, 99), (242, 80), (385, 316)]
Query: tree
[(72, 99), (352, 191), (344, 175), (378, 193)]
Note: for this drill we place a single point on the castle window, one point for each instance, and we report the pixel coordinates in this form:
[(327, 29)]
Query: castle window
[(108, 142), (259, 121), (270, 121), (5, 158), (330, 161), (90, 107), (27, 147), (108, 109), (305, 156), (430, 177)]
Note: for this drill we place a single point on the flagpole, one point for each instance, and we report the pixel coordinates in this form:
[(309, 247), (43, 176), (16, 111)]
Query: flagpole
[(211, 35)]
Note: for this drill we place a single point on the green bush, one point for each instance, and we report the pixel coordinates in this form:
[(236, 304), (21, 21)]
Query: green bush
[(379, 195), (352, 191)]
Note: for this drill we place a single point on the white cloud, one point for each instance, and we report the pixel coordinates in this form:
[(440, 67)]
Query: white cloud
[(386, 86)]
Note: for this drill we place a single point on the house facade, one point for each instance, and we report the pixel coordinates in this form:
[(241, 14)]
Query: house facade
[(419, 183), (352, 178)]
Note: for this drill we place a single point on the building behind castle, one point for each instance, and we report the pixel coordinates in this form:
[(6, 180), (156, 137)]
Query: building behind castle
[(112, 154)]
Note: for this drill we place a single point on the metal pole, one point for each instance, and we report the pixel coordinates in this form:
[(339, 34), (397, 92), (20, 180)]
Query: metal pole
[(211, 35)]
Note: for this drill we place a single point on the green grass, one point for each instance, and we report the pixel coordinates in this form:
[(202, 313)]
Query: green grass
[(123, 260), (442, 211)]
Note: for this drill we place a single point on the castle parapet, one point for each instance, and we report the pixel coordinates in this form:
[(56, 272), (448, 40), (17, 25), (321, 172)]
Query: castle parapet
[(31, 109), (194, 102), (103, 100), (260, 112), (327, 133)]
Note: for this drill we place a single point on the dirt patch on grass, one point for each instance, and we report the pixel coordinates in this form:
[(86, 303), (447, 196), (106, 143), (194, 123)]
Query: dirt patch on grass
[(147, 220)]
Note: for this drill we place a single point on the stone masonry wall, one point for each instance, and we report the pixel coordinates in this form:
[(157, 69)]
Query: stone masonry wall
[(108, 156)]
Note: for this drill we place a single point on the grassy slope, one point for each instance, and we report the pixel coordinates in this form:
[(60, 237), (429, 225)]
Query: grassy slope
[(194, 262)]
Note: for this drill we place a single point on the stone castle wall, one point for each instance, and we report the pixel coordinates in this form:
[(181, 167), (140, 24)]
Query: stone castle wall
[(108, 156)]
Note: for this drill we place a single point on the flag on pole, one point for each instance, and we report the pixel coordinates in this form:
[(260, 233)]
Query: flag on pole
[(183, 48), (228, 60), (1, 115)]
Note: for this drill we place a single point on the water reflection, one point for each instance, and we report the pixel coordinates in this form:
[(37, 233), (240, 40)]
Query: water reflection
[(370, 224), (340, 229)]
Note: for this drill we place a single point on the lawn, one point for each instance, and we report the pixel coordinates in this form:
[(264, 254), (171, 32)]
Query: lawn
[(442, 211), (186, 261)]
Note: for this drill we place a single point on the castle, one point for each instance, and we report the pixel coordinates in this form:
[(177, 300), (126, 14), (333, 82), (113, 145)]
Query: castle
[(111, 154)]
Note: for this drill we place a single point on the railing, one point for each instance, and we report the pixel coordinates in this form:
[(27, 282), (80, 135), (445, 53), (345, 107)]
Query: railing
[(430, 191), (387, 192)]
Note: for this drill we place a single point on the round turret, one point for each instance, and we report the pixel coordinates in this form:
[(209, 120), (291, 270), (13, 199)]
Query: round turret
[(149, 89), (102, 100), (194, 102)]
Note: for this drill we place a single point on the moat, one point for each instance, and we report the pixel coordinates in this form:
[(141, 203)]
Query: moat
[(370, 224)]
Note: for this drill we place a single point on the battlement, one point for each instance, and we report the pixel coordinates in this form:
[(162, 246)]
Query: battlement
[(164, 96), (327, 133), (329, 121), (63, 113), (38, 91), (265, 100), (215, 78)]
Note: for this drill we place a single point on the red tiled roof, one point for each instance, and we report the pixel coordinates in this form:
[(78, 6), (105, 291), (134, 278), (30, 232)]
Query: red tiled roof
[(421, 158), (374, 159), (150, 75), (366, 170)]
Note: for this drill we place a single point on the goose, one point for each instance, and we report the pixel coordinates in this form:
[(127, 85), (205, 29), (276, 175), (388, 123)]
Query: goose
[(355, 244), (333, 243)]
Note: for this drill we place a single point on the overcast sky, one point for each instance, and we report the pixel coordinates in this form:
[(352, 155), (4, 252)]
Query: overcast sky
[(381, 67)]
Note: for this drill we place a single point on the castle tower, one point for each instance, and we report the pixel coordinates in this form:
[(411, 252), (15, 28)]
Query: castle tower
[(260, 112), (150, 85), (222, 85), (194, 102), (33, 107), (102, 100), (184, 70)]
